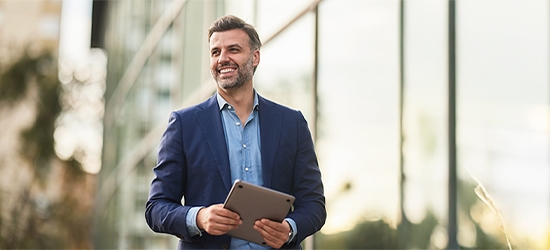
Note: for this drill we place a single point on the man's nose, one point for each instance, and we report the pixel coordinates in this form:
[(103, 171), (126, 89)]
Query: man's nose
[(223, 57)]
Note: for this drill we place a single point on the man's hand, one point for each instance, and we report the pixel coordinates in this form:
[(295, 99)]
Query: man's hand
[(216, 220), (274, 233)]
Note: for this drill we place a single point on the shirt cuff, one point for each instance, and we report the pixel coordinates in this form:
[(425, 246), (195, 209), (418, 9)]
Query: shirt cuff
[(292, 224), (191, 220)]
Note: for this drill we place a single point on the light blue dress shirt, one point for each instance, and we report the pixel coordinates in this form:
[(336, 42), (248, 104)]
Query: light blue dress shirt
[(244, 148), (243, 143)]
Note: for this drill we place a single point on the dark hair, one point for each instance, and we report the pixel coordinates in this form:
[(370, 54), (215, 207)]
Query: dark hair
[(230, 22)]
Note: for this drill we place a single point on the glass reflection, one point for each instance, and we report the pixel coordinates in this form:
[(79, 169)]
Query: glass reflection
[(425, 147), (285, 74), (504, 118), (358, 131)]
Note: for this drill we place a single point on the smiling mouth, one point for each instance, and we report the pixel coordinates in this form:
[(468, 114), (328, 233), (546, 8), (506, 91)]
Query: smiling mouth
[(226, 70)]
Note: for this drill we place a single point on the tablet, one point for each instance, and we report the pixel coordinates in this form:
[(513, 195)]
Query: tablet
[(253, 202)]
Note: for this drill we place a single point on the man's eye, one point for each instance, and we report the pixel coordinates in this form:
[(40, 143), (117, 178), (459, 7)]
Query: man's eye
[(215, 53)]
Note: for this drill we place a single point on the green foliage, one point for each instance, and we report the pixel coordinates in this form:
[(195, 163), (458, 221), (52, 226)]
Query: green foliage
[(420, 234), (372, 235), (467, 199), (32, 219), (16, 78), (377, 234), (16, 81), (13, 81), (39, 139)]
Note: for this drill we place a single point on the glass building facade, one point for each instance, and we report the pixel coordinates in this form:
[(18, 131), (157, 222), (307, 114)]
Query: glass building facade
[(430, 118)]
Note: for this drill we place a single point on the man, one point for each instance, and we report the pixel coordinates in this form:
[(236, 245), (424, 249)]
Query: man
[(235, 134)]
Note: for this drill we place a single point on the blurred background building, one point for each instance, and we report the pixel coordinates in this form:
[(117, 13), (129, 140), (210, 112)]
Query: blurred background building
[(36, 24), (431, 118)]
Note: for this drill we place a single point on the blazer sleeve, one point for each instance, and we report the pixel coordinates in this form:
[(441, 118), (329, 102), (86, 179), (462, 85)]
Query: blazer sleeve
[(309, 208), (164, 212)]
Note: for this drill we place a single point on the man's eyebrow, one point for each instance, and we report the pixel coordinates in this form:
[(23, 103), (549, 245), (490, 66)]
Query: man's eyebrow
[(234, 45)]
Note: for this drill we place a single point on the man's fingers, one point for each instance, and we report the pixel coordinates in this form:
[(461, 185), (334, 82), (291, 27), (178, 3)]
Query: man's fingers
[(217, 220), (274, 233), (223, 212)]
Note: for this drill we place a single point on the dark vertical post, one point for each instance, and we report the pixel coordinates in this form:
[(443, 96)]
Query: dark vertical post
[(315, 91), (316, 68), (99, 21), (404, 226), (452, 224)]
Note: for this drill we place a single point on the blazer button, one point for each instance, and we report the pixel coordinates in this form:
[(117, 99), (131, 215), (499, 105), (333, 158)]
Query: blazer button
[(225, 246)]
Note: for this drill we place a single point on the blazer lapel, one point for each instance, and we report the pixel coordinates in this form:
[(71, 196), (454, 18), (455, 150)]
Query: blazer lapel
[(209, 118), (270, 131)]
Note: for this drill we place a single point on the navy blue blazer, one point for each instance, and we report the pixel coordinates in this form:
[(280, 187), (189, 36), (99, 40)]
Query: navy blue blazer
[(193, 164)]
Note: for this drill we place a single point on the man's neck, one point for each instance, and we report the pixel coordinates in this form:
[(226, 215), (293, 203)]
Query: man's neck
[(242, 100)]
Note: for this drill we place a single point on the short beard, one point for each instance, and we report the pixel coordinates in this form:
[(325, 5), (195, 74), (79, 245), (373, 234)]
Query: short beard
[(246, 72)]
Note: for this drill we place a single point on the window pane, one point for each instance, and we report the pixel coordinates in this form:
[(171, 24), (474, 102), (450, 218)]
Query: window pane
[(425, 120), (285, 73), (358, 132), (503, 121)]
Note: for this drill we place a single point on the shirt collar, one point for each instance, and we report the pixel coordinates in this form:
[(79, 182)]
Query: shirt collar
[(222, 102)]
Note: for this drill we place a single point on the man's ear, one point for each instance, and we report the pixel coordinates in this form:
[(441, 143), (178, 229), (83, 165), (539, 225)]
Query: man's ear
[(256, 58)]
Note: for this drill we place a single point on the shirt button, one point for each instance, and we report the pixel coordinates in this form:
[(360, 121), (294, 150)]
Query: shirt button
[(237, 123), (246, 169), (244, 145), (229, 107)]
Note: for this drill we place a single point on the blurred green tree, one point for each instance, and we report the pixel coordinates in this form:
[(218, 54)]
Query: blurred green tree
[(47, 203)]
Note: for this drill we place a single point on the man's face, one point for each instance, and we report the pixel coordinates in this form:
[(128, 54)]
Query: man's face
[(232, 61)]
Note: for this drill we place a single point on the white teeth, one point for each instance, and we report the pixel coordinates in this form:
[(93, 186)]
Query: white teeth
[(226, 70)]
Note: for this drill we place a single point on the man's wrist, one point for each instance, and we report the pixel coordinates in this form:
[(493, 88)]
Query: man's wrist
[(291, 232), (191, 219)]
